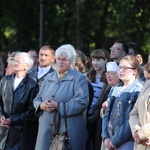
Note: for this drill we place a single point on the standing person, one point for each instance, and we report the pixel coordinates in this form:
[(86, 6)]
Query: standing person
[(140, 120), (34, 53), (134, 48), (98, 80), (118, 50), (65, 85), (112, 79), (146, 69), (116, 131), (148, 59), (16, 95), (46, 58)]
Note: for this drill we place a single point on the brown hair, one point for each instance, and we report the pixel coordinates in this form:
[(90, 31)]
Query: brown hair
[(48, 47), (132, 60), (147, 67), (98, 53), (80, 65)]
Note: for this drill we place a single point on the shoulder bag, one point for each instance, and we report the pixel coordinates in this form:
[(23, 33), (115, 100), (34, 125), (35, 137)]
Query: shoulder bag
[(60, 141)]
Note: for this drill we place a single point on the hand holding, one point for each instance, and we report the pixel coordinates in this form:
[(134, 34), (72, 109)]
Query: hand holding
[(137, 138), (49, 106), (105, 105), (5, 122), (108, 144)]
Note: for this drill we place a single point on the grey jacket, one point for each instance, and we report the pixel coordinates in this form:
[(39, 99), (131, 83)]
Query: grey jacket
[(73, 90)]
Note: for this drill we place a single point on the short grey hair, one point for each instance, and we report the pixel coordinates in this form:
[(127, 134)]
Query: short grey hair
[(67, 50), (27, 58)]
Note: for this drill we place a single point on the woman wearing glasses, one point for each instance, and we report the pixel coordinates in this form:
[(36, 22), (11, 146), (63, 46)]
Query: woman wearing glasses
[(65, 85), (116, 131), (17, 118)]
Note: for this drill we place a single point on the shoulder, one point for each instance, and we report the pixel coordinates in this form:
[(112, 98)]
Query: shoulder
[(7, 77), (30, 80), (138, 85)]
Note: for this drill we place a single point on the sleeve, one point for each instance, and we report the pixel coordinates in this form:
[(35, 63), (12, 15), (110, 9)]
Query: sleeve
[(1, 102), (37, 101), (134, 119)]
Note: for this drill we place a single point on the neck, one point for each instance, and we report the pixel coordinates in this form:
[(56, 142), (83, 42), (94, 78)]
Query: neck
[(20, 74), (126, 83), (44, 66), (99, 72)]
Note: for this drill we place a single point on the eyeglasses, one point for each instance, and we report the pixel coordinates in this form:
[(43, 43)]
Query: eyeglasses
[(110, 73), (63, 59), (18, 61), (115, 48), (124, 68)]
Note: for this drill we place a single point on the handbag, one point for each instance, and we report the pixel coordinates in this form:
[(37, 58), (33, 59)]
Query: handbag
[(60, 141)]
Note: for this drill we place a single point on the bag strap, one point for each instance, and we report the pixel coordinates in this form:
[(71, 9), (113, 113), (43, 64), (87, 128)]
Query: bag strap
[(57, 124), (65, 116)]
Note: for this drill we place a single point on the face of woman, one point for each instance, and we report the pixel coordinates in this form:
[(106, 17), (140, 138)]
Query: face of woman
[(112, 78), (9, 69), (19, 64), (98, 63), (125, 71), (63, 64)]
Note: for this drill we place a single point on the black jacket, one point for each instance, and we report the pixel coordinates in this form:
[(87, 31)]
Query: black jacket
[(16, 105)]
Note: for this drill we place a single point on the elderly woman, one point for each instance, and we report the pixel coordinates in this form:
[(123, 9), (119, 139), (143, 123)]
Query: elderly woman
[(69, 86), (112, 80), (16, 108), (116, 131)]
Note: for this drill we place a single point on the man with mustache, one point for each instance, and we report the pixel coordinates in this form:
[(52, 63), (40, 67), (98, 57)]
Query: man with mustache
[(46, 58)]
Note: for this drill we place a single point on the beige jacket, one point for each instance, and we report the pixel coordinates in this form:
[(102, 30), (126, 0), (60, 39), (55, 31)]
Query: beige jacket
[(140, 117)]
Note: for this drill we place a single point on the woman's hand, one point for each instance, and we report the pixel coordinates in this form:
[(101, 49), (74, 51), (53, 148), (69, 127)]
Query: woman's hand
[(49, 105), (5, 122), (108, 144), (105, 105)]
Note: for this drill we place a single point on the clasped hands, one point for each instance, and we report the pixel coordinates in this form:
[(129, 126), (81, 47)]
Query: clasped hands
[(49, 105), (108, 144), (5, 122), (140, 141)]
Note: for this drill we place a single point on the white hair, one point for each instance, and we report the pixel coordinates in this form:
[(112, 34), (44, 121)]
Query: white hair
[(67, 50), (27, 58)]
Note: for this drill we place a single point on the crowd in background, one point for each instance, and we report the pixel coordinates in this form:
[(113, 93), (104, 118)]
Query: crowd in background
[(105, 96)]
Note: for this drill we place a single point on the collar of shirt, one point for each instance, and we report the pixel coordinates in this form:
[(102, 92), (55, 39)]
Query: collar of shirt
[(44, 70)]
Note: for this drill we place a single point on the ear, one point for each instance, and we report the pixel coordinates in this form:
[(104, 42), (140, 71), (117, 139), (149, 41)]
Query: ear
[(135, 72), (53, 59), (26, 66)]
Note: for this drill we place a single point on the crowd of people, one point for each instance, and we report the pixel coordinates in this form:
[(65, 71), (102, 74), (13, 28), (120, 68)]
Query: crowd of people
[(105, 96)]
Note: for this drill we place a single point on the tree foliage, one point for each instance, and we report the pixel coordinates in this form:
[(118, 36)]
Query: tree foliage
[(85, 24)]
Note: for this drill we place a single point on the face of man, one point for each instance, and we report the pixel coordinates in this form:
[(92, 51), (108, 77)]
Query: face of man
[(131, 52), (116, 51), (46, 57)]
